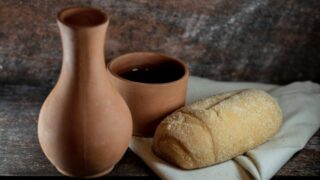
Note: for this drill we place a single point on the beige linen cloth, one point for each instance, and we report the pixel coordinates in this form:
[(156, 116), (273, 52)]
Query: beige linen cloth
[(300, 103)]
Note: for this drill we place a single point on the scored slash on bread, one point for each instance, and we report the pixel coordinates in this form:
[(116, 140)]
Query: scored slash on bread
[(217, 128)]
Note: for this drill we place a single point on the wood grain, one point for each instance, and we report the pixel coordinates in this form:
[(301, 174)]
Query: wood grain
[(20, 153), (275, 41)]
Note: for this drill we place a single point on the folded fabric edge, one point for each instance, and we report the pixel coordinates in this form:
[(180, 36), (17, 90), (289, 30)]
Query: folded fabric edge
[(254, 172)]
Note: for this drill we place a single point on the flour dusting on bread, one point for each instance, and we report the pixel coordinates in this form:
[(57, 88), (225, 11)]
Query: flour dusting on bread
[(217, 128)]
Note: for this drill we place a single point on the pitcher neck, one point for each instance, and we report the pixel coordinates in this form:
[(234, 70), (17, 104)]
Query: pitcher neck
[(83, 33)]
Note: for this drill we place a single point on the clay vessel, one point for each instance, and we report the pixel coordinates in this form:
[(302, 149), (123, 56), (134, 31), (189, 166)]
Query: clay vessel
[(149, 103), (84, 124)]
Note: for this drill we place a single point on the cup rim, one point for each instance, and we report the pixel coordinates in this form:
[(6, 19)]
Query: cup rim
[(182, 63), (60, 17)]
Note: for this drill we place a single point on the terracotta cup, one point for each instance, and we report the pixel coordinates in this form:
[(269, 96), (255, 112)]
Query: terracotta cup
[(149, 102)]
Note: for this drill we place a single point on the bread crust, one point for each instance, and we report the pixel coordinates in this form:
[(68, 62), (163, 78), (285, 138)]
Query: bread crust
[(217, 128)]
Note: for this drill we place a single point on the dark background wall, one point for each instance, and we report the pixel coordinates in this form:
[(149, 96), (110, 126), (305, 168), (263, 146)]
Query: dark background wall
[(274, 41)]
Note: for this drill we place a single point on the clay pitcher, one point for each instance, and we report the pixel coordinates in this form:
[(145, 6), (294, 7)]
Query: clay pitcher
[(84, 125)]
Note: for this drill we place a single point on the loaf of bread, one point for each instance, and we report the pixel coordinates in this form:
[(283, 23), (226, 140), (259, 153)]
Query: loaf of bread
[(217, 129)]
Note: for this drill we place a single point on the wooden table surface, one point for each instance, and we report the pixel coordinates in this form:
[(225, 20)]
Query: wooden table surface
[(20, 153)]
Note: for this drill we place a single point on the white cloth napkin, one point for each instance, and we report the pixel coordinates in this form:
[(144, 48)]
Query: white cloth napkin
[(300, 103)]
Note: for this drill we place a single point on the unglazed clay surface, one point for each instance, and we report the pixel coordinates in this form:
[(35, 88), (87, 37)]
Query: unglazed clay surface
[(84, 124), (149, 103)]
